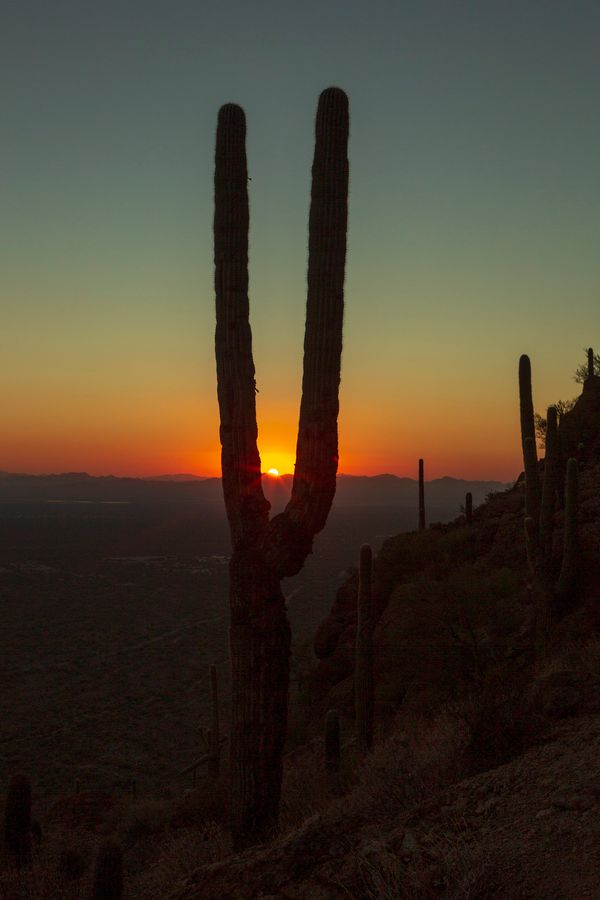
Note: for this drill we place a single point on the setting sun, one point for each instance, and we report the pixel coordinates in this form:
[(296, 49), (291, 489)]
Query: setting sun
[(273, 472)]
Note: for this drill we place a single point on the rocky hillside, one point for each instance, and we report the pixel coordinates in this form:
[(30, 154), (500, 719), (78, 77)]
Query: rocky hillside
[(484, 782), (454, 600)]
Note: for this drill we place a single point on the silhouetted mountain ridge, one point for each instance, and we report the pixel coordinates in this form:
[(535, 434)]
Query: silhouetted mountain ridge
[(352, 490)]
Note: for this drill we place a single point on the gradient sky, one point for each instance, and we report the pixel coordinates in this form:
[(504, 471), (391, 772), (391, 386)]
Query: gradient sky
[(474, 224)]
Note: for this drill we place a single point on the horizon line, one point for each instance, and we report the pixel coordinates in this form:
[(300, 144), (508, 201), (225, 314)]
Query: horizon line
[(191, 476)]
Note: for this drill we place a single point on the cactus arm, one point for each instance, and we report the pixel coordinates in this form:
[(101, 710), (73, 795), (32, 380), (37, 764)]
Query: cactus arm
[(317, 446), (290, 534), (247, 509)]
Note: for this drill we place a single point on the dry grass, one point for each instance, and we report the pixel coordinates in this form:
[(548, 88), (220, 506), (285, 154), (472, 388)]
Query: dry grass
[(460, 872)]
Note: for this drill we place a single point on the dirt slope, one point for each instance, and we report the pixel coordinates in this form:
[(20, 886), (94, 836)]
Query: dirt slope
[(528, 829)]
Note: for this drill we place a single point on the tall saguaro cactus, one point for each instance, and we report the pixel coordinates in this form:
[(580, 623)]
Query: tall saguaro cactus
[(363, 666), (590, 363), (266, 551)]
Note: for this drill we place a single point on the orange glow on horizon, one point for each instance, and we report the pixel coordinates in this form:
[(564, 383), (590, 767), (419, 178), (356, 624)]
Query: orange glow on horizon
[(159, 436)]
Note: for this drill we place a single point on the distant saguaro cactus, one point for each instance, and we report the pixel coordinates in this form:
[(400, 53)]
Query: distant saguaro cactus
[(363, 667), (590, 363), (568, 572), (548, 594), (17, 819), (532, 483), (469, 508), (332, 748), (266, 551), (107, 879), (549, 484), (421, 496)]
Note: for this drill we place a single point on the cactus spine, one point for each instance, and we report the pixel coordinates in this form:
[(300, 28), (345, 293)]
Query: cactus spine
[(469, 508), (421, 496), (332, 748), (363, 670), (266, 551), (568, 572), (17, 819), (532, 484), (107, 881)]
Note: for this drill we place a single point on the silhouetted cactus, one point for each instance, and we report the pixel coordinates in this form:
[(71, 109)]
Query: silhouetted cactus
[(266, 551), (107, 882), (590, 366), (568, 571), (532, 484), (421, 496), (332, 748), (539, 516), (532, 505), (17, 819), (469, 508), (215, 738), (549, 485), (363, 667)]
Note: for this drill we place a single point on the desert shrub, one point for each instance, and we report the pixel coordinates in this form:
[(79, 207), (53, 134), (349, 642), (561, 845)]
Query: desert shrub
[(422, 755), (482, 615), (499, 729), (460, 871)]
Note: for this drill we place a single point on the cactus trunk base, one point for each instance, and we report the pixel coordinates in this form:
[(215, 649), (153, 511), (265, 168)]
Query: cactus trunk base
[(260, 651)]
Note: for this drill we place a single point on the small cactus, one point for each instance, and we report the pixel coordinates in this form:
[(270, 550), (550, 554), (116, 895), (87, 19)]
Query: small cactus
[(17, 819), (363, 671), (469, 508), (332, 748), (107, 881), (421, 496)]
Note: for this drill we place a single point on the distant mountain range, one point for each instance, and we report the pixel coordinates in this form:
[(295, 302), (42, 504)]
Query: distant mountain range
[(352, 490)]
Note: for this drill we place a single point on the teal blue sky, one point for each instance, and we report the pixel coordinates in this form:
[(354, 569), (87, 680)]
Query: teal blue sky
[(474, 223)]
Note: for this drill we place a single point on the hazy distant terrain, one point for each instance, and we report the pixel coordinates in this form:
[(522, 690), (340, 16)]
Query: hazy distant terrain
[(114, 601)]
